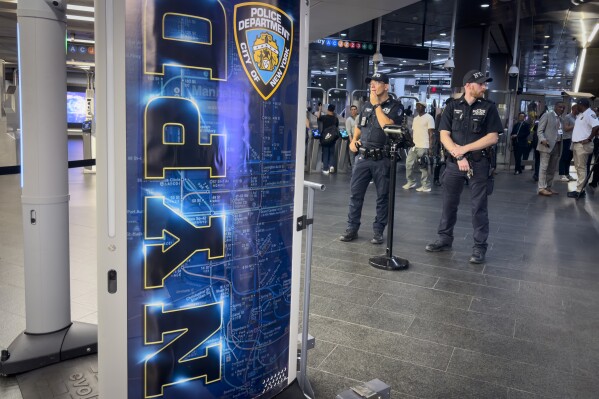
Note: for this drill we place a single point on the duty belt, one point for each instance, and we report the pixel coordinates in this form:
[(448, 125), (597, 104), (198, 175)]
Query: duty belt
[(474, 156), (374, 153)]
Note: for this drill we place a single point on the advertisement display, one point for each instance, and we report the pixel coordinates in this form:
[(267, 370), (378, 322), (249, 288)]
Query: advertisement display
[(211, 133)]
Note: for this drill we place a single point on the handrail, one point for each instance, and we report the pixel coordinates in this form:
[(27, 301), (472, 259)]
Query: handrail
[(304, 383)]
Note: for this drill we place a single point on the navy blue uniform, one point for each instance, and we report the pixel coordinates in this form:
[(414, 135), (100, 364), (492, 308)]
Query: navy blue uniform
[(367, 168), (467, 124)]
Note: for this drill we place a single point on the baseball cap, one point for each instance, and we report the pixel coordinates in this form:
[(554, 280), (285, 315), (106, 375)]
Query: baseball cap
[(421, 103), (584, 102), (475, 76), (378, 77)]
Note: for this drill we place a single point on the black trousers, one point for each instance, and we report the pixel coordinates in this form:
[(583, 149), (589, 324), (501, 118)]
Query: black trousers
[(453, 185), (566, 158), (519, 151), (364, 170)]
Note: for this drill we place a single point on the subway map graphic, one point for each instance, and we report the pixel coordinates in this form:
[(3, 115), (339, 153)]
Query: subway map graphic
[(210, 191)]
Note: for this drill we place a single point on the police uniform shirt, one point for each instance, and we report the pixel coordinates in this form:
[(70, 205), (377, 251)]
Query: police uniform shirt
[(468, 123), (372, 135), (585, 122)]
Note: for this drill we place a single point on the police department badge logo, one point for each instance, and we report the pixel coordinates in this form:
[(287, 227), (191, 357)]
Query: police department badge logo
[(263, 35)]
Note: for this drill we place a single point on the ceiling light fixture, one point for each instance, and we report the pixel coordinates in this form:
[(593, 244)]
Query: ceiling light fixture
[(343, 34), (593, 33), (580, 68), (80, 18), (547, 36), (443, 34), (80, 8), (484, 5)]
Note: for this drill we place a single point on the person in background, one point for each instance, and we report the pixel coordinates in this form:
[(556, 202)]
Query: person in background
[(551, 130), (585, 130), (566, 158), (520, 133), (423, 126), (350, 124), (470, 127), (328, 152)]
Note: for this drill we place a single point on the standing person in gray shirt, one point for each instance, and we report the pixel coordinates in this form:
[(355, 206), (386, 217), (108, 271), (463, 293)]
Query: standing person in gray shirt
[(350, 124)]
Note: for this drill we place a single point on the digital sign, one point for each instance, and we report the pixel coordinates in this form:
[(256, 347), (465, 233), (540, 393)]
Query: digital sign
[(211, 105)]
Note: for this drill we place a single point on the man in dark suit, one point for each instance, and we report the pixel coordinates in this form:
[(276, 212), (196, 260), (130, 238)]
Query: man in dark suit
[(520, 133)]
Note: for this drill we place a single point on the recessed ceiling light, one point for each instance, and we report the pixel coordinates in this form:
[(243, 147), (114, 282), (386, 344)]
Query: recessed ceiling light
[(443, 34), (547, 36), (545, 46), (323, 56), (343, 34), (438, 53), (485, 5)]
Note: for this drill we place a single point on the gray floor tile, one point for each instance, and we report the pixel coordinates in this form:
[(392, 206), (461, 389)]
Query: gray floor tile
[(328, 385), (363, 315), (9, 388), (411, 291), (344, 293), (384, 343), (406, 276), (491, 344), (407, 378), (526, 377), (448, 315), (518, 394)]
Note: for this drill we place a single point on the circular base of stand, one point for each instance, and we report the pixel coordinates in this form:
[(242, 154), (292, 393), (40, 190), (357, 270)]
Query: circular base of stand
[(389, 263)]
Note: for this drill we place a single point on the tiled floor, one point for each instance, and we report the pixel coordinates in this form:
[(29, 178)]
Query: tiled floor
[(523, 325)]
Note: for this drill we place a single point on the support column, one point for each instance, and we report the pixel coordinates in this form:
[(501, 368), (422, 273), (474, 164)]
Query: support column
[(500, 63), (357, 69), (471, 50)]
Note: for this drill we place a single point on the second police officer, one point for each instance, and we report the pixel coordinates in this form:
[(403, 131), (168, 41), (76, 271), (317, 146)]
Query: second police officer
[(470, 126), (371, 162)]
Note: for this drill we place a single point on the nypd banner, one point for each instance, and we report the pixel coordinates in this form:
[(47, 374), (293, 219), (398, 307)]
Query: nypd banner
[(211, 118)]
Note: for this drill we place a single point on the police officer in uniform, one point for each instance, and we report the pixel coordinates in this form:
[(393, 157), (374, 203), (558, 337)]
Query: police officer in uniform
[(469, 128), (372, 160)]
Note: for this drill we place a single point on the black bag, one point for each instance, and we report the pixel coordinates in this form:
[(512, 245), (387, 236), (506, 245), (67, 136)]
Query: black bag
[(329, 136)]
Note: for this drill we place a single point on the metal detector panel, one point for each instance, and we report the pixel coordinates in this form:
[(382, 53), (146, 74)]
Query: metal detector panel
[(211, 105)]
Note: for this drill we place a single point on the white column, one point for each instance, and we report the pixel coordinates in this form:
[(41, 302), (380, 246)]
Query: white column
[(42, 67)]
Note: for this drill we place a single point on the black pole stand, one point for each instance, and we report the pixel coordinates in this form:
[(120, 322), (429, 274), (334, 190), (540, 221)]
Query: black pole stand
[(388, 261)]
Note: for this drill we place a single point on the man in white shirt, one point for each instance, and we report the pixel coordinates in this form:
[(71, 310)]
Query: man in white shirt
[(423, 127), (350, 124), (585, 129)]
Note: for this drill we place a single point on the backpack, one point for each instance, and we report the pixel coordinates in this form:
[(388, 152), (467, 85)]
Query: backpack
[(329, 136)]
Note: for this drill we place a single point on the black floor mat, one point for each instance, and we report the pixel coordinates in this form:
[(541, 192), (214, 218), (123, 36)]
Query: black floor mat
[(71, 379)]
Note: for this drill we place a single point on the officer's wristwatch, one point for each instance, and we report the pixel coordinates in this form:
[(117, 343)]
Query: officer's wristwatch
[(460, 157), (375, 106)]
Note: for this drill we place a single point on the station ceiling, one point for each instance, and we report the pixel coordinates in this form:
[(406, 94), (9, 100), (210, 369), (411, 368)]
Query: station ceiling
[(552, 33)]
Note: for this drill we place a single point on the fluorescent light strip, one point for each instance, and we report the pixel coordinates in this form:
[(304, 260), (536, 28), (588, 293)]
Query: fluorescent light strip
[(80, 18), (580, 68), (80, 8), (593, 33), (82, 41)]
